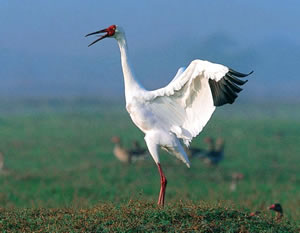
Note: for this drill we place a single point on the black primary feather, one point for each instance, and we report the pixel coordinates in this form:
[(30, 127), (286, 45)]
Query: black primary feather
[(225, 90)]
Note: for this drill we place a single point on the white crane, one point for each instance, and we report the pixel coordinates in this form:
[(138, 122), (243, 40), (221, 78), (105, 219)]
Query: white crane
[(177, 113)]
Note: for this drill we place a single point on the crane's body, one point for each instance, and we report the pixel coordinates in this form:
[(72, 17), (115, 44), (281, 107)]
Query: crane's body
[(178, 112)]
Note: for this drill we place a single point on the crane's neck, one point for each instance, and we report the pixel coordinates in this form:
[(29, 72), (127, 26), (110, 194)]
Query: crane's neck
[(132, 87)]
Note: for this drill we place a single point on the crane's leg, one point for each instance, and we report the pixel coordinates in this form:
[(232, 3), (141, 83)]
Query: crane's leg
[(163, 185), (151, 141)]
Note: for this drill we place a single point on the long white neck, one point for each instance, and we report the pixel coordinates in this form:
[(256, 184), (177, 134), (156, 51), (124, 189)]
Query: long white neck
[(132, 87)]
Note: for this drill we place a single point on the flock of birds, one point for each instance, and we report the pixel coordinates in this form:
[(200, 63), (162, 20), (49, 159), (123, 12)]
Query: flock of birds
[(142, 154), (170, 117), (213, 155)]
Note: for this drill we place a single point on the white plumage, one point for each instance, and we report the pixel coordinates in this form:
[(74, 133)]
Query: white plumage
[(178, 112)]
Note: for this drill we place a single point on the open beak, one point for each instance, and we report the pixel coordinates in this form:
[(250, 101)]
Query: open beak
[(100, 38)]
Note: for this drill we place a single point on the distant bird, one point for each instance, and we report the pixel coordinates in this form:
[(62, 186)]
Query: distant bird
[(212, 155), (254, 214), (1, 161), (128, 155), (3, 170), (215, 152), (119, 151), (194, 152), (178, 112), (235, 178), (278, 209), (138, 152)]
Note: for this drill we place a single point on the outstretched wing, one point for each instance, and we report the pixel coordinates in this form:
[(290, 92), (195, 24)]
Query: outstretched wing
[(186, 104)]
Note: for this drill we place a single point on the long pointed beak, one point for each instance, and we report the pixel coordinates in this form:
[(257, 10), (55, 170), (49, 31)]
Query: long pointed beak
[(97, 32)]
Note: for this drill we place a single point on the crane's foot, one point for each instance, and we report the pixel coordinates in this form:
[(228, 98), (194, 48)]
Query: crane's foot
[(163, 185)]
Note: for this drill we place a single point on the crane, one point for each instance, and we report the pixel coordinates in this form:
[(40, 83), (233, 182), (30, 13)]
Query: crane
[(173, 115)]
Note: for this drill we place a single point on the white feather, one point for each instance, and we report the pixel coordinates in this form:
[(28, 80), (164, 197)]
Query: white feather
[(186, 104)]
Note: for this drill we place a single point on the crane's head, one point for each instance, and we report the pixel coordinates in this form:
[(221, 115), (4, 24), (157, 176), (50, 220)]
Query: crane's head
[(111, 31)]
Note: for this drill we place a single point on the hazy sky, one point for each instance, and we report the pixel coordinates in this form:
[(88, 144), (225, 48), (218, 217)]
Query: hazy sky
[(43, 50)]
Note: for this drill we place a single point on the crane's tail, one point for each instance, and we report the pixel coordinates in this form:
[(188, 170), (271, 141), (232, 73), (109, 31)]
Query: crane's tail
[(180, 154)]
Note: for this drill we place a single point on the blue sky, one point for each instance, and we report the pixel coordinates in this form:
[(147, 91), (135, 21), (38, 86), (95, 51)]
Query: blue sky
[(43, 50)]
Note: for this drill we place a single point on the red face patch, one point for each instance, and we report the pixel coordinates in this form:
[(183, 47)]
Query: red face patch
[(111, 30)]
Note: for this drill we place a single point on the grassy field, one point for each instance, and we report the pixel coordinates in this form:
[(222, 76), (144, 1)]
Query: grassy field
[(141, 216), (58, 154)]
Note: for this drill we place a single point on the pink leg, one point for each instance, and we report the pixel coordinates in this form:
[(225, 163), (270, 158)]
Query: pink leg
[(163, 185)]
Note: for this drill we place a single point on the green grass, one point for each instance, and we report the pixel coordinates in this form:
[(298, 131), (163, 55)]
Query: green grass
[(59, 155), (140, 216)]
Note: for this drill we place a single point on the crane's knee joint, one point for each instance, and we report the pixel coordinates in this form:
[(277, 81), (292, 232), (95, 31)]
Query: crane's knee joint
[(164, 181)]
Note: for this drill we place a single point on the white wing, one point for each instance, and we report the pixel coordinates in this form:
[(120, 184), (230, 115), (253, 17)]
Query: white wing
[(178, 74), (186, 104)]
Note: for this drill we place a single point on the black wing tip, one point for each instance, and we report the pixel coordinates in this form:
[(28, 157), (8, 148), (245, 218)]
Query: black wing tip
[(239, 74), (250, 72), (225, 90), (235, 80)]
